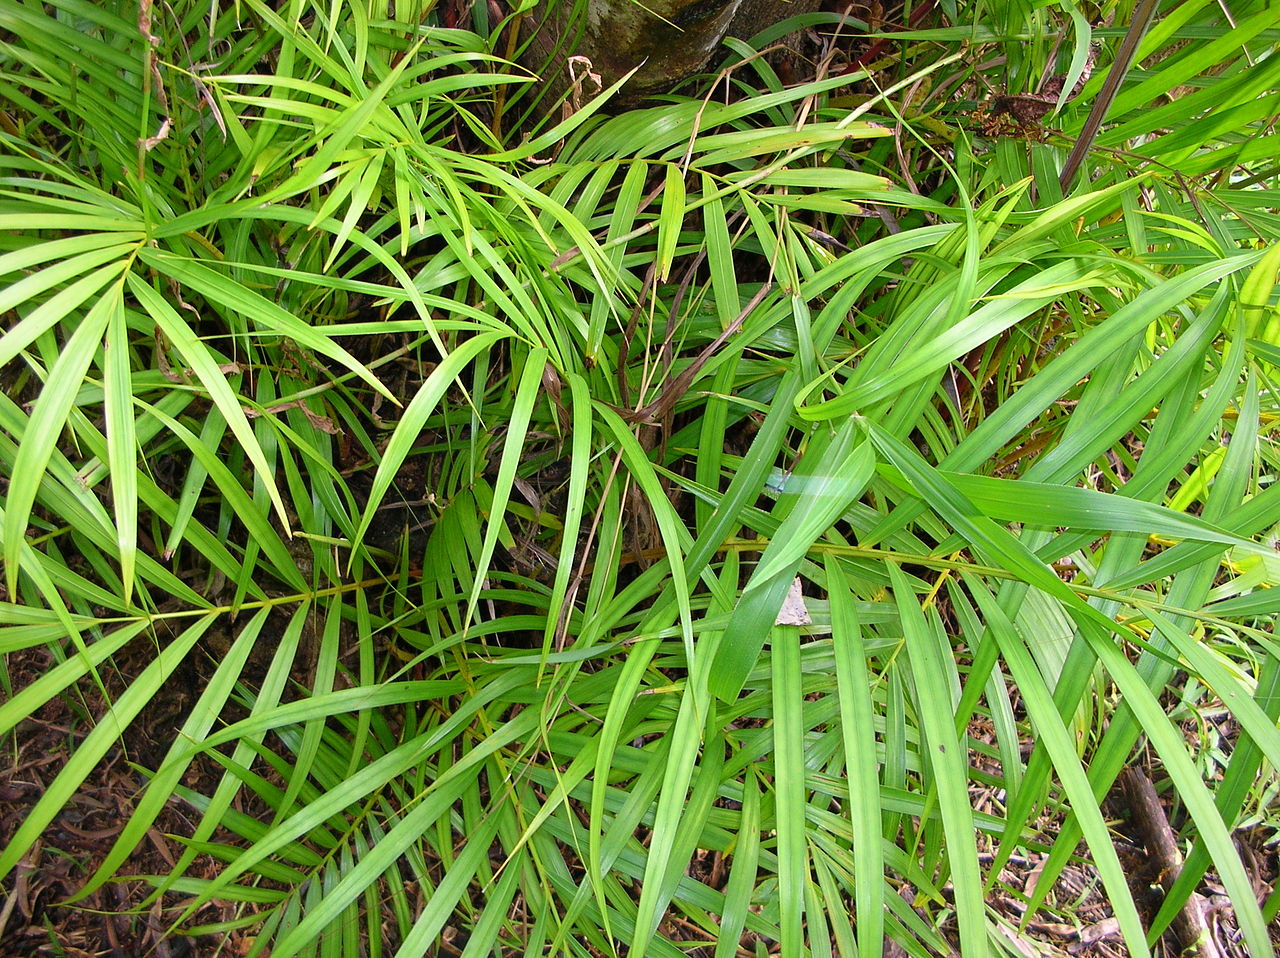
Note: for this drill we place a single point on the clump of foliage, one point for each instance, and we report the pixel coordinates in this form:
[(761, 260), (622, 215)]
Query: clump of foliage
[(476, 464)]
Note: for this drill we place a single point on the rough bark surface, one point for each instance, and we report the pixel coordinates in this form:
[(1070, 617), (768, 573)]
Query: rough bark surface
[(674, 39)]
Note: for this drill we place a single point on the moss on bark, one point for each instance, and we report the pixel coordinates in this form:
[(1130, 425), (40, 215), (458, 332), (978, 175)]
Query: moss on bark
[(673, 39)]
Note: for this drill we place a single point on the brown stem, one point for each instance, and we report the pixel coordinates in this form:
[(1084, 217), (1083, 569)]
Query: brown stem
[(674, 390), (1143, 15)]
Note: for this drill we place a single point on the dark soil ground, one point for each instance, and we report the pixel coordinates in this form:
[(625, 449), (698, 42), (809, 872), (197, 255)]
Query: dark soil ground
[(117, 919)]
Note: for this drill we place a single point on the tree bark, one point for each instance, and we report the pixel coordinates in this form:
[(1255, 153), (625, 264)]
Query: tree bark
[(673, 39)]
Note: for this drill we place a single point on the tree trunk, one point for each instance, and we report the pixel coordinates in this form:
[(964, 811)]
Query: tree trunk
[(674, 39)]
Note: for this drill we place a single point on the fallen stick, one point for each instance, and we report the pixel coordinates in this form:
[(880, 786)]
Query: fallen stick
[(1189, 926)]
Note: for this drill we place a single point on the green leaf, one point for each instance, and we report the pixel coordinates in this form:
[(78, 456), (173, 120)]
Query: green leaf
[(670, 220), (121, 438), (857, 723), (827, 480), (50, 413), (206, 368), (945, 759)]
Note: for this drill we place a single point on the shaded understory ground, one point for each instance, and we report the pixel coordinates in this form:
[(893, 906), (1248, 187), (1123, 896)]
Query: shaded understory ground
[(36, 921)]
